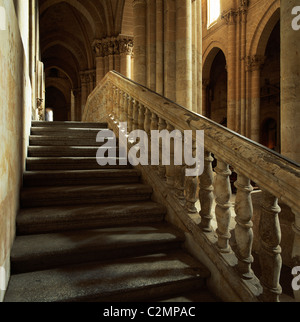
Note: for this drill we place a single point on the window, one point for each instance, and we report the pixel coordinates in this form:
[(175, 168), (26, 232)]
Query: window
[(213, 11)]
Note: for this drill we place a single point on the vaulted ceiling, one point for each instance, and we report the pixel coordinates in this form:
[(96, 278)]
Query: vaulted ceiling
[(68, 29)]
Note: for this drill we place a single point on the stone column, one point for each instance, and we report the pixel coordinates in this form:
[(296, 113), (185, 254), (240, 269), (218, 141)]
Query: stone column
[(184, 74), (151, 44), (230, 18), (126, 48), (100, 68), (84, 91), (140, 16), (160, 46), (255, 65), (169, 77), (290, 83), (243, 67)]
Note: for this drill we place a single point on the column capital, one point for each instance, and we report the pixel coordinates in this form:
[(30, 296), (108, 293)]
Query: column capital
[(113, 46), (229, 16)]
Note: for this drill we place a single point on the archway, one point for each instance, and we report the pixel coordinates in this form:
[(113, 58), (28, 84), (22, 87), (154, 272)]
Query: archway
[(56, 101), (270, 92), (216, 89)]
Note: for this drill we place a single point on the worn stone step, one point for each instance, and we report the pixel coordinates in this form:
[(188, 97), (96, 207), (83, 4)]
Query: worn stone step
[(64, 151), (79, 195), (72, 125), (80, 177), (58, 219), (39, 252), (61, 131), (67, 140), (69, 163), (131, 279)]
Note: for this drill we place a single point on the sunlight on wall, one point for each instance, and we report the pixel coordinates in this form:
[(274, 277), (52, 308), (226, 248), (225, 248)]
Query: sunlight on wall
[(2, 19), (213, 11)]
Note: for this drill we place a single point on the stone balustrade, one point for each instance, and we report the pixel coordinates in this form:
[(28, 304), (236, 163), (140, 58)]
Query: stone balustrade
[(117, 99)]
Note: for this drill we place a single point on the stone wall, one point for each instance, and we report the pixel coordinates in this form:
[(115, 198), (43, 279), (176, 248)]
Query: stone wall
[(16, 109)]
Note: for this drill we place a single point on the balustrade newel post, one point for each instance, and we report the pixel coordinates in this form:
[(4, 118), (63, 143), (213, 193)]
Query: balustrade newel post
[(270, 252), (223, 212), (243, 230)]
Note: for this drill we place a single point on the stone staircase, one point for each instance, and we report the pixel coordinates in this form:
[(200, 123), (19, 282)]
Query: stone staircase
[(90, 233)]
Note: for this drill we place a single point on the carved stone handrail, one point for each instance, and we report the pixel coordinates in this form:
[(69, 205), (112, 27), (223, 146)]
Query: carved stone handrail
[(119, 99)]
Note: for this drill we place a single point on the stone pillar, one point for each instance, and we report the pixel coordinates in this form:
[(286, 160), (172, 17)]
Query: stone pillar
[(140, 16), (290, 83), (230, 18), (160, 46), (243, 67), (126, 48), (170, 49), (255, 64), (151, 44), (100, 68), (84, 91), (184, 75)]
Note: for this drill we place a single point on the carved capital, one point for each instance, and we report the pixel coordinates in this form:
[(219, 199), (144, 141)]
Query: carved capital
[(229, 16), (113, 46)]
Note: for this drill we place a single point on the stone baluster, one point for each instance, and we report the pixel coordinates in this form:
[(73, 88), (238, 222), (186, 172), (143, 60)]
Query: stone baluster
[(117, 106), (243, 230), (147, 129), (180, 182), (153, 127), (126, 107), (206, 193), (135, 123), (141, 118), (223, 212), (162, 125), (296, 248), (130, 113), (113, 105), (122, 101), (191, 188), (270, 252), (170, 169)]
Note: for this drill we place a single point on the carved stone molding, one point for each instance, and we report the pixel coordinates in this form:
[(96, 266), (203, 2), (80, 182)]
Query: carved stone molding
[(88, 76), (113, 46), (229, 16)]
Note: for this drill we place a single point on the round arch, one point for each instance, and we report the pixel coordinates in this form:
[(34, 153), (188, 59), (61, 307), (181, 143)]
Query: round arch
[(209, 56), (264, 29)]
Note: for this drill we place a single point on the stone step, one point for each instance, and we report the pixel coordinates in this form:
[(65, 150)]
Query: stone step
[(80, 195), (47, 251), (80, 177), (69, 163), (66, 125), (58, 219), (127, 280), (60, 131), (63, 151), (35, 140)]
